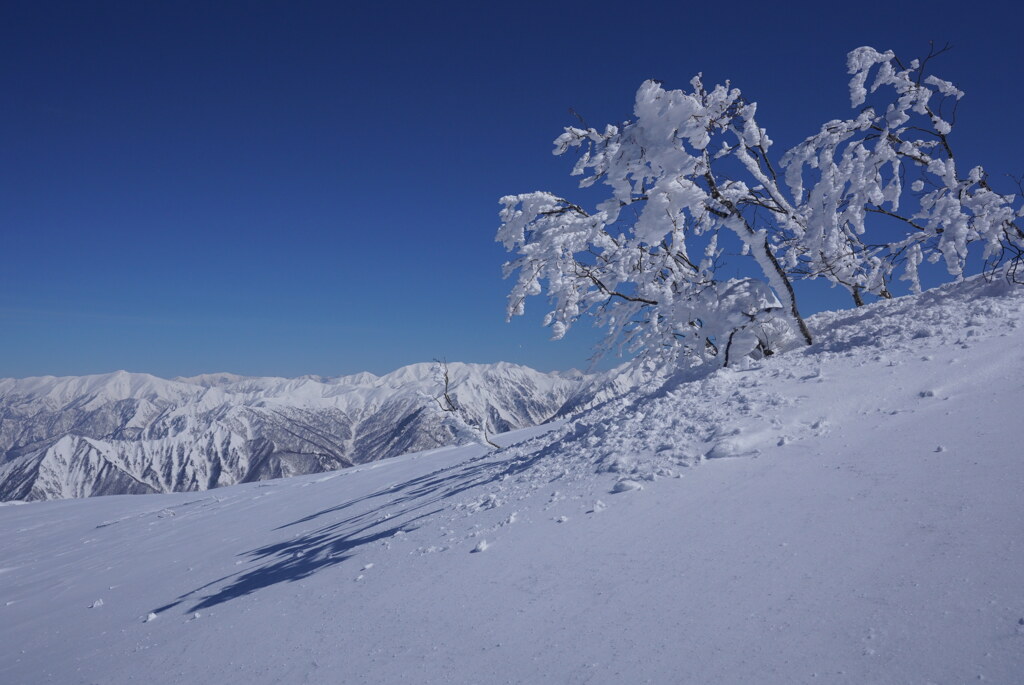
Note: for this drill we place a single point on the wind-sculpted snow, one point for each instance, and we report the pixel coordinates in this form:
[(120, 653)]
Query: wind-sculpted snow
[(846, 513), (128, 433)]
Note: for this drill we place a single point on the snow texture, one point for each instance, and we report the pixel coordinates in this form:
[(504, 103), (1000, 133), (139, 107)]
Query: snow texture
[(844, 513)]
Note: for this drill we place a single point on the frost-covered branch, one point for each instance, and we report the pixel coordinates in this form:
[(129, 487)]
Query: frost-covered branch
[(642, 282), (857, 167), (693, 165)]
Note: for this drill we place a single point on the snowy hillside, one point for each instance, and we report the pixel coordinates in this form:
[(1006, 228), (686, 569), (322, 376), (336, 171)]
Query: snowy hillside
[(847, 513), (130, 433)]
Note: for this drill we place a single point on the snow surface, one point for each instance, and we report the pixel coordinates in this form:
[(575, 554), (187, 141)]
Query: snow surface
[(847, 513)]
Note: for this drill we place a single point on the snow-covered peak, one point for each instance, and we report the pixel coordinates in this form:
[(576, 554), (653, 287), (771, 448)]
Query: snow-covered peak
[(96, 389), (140, 433), (211, 380)]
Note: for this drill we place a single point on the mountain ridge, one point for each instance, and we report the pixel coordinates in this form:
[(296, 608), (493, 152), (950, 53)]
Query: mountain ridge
[(133, 433)]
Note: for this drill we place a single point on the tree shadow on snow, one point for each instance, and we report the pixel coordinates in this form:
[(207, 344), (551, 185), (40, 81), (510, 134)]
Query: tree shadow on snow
[(372, 518)]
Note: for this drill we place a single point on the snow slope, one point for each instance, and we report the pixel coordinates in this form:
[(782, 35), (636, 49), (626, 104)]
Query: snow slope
[(849, 513), (131, 433)]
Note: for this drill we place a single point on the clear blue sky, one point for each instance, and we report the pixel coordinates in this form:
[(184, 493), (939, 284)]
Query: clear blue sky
[(280, 188)]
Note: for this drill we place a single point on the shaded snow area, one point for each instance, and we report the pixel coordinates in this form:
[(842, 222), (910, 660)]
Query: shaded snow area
[(848, 513)]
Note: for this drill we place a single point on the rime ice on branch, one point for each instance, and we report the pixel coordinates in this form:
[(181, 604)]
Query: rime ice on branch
[(692, 163), (859, 167)]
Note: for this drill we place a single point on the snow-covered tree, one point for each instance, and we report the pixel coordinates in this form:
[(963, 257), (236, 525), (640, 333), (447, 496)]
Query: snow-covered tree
[(631, 261), (692, 164), (858, 169), (455, 418)]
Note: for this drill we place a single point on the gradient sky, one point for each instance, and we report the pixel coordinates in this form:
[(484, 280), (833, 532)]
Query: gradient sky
[(282, 188)]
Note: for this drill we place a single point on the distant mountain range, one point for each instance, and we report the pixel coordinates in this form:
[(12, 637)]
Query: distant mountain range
[(133, 433)]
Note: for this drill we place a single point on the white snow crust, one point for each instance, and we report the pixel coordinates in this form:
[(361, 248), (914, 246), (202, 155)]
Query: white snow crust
[(845, 513)]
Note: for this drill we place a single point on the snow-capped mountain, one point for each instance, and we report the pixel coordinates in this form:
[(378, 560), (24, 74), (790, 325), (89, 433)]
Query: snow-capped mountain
[(129, 433)]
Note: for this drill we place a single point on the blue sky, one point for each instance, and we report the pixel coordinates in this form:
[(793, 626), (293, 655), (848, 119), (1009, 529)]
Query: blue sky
[(280, 188)]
